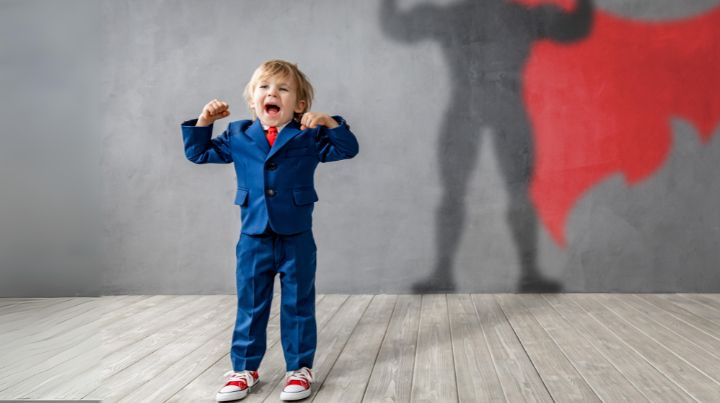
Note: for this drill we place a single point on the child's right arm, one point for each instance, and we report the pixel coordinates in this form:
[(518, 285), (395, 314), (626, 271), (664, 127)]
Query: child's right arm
[(213, 111), (200, 148)]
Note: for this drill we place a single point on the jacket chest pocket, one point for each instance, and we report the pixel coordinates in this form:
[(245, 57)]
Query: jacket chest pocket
[(241, 197), (298, 151)]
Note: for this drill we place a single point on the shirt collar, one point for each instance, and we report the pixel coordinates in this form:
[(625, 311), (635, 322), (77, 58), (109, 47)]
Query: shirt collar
[(279, 128)]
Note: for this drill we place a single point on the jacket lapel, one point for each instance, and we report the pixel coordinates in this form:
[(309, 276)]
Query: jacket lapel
[(257, 134), (286, 134)]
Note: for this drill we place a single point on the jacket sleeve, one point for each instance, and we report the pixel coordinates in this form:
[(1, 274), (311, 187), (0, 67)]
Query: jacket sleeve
[(336, 144), (200, 148)]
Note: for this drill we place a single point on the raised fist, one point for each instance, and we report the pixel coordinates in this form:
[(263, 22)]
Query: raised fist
[(213, 111)]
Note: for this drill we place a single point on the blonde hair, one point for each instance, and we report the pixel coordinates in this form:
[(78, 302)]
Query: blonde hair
[(274, 68)]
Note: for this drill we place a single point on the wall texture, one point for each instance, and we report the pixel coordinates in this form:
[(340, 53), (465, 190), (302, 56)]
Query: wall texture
[(481, 169), (50, 143)]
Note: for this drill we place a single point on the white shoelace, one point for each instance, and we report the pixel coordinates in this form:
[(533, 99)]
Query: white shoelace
[(302, 374), (243, 375)]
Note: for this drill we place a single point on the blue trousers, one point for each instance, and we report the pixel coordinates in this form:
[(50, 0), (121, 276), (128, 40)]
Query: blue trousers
[(259, 258)]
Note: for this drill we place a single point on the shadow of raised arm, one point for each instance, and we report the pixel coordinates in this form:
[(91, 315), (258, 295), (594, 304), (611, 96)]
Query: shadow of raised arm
[(408, 26), (563, 26)]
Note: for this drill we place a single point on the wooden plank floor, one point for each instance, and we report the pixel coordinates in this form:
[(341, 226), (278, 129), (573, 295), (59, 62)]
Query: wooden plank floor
[(373, 348)]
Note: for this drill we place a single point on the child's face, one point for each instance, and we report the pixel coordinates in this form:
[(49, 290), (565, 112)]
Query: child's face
[(274, 100)]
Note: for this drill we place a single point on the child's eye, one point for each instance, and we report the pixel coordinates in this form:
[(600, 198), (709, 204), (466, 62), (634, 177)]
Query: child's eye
[(283, 89), (263, 86)]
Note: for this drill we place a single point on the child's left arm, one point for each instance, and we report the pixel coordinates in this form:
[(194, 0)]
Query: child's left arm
[(334, 139)]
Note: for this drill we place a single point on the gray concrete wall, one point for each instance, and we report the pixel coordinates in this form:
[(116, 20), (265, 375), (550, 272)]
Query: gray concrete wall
[(416, 210), (50, 161)]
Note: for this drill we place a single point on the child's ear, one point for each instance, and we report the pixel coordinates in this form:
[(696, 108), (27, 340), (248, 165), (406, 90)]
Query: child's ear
[(300, 107)]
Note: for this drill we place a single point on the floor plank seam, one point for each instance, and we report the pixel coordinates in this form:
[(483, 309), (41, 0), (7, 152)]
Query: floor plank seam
[(452, 348), (138, 386), (647, 301), (487, 344), (712, 313), (417, 338), (647, 360), (343, 348), (699, 301), (607, 358), (673, 303), (195, 311), (676, 354), (670, 328), (632, 346), (156, 349), (562, 351), (523, 347), (377, 354), (137, 302), (193, 380)]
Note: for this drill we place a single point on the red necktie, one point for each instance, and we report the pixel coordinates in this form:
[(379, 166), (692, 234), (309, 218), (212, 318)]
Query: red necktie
[(271, 135)]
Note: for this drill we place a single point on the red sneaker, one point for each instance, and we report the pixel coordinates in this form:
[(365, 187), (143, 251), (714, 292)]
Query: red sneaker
[(237, 386), (297, 384)]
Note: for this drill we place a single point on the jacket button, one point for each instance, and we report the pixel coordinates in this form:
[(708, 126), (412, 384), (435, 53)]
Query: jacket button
[(272, 166), (271, 192)]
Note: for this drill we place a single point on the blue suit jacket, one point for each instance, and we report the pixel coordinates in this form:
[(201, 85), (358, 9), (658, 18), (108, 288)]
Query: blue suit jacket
[(275, 185)]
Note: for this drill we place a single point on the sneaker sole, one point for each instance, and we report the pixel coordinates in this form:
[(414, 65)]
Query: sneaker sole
[(288, 396), (230, 396)]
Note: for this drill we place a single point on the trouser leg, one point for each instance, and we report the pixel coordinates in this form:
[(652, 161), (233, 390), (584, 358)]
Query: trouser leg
[(255, 274), (297, 312)]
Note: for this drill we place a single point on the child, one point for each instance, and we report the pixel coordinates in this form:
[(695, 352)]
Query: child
[(275, 156)]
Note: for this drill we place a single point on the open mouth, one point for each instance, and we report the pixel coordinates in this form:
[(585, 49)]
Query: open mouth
[(271, 109)]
